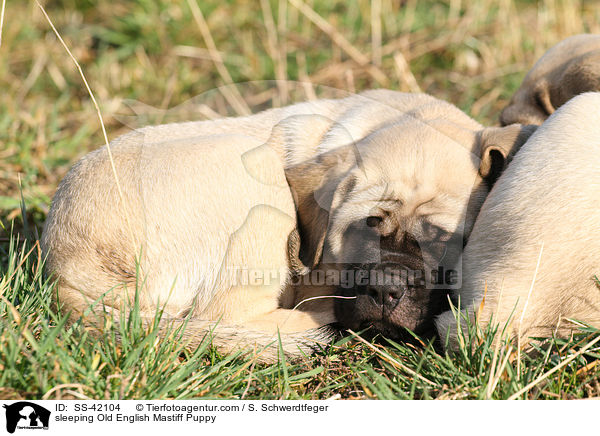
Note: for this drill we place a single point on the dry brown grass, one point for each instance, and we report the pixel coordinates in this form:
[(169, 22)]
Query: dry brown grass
[(470, 53)]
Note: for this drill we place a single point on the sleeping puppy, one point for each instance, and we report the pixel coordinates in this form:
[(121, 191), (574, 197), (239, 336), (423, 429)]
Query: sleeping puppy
[(543, 209), (569, 68), (223, 222)]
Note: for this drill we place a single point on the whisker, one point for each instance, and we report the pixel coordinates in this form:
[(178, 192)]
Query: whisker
[(323, 296)]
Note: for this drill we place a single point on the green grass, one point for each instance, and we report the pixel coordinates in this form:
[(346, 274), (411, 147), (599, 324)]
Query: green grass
[(41, 357), (473, 54)]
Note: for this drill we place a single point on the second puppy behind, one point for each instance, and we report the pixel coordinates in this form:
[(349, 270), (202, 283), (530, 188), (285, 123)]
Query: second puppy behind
[(535, 246), (569, 68)]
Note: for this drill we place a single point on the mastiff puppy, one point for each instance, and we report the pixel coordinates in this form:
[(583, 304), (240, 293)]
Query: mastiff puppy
[(222, 223), (534, 244), (569, 68)]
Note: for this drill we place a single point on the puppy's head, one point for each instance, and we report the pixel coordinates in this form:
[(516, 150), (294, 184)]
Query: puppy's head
[(569, 68), (385, 219)]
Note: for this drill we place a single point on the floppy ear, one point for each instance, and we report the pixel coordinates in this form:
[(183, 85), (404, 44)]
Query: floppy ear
[(497, 145), (314, 184), (543, 99)]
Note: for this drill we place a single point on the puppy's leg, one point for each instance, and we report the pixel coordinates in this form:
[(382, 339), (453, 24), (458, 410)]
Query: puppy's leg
[(254, 274), (291, 321), (257, 308)]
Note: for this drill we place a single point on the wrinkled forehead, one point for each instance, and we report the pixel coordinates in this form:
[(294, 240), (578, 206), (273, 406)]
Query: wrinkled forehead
[(414, 152)]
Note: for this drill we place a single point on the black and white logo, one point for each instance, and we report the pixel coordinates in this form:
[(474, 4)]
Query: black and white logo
[(26, 415)]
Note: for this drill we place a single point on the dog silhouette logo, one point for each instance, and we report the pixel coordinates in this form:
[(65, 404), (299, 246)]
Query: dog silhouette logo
[(26, 415)]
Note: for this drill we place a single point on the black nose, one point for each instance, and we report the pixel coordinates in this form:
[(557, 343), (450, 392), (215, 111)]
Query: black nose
[(384, 296)]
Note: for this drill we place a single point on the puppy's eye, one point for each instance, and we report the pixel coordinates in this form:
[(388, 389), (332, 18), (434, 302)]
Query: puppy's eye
[(374, 221)]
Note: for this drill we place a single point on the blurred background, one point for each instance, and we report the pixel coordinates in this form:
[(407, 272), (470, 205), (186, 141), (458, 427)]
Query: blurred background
[(146, 57)]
